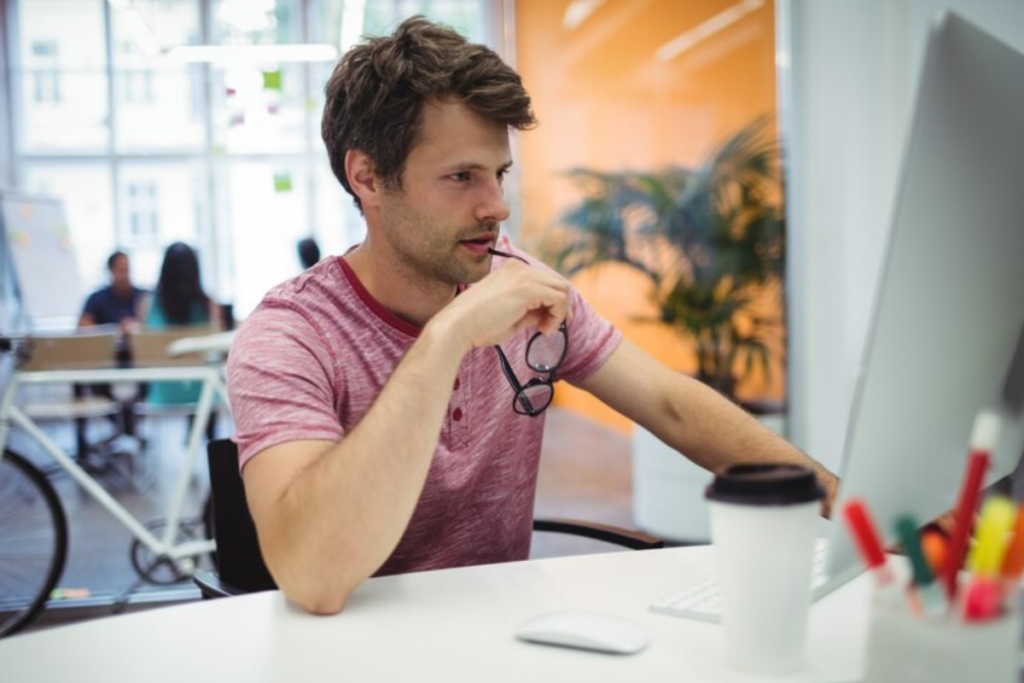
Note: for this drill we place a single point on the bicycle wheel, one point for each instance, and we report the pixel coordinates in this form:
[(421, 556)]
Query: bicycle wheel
[(33, 541)]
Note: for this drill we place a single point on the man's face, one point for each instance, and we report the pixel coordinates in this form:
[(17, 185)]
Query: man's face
[(447, 214), (120, 277)]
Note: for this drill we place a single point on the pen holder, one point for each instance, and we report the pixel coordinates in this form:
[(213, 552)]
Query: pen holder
[(909, 648)]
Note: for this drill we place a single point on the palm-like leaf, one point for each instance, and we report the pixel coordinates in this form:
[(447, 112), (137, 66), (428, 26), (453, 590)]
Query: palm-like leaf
[(726, 232)]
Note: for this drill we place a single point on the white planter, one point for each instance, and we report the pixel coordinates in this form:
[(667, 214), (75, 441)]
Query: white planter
[(668, 489)]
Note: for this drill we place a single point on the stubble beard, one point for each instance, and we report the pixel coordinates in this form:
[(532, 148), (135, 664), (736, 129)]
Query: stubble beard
[(429, 253)]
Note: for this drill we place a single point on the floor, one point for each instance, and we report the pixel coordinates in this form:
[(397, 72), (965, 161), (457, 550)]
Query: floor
[(585, 474)]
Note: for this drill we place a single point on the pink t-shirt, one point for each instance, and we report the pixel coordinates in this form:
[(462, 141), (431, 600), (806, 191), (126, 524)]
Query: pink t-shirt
[(312, 359)]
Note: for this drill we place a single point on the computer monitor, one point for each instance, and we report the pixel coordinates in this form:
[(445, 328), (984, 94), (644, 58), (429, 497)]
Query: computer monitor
[(949, 311)]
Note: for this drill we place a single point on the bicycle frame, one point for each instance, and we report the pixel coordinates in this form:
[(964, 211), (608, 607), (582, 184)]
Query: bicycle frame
[(11, 414)]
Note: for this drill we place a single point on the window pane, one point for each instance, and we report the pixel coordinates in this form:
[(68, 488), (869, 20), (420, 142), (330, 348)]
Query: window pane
[(265, 208), (143, 28), (160, 203), (257, 22), (62, 34), (337, 222), (259, 109), (159, 102), (85, 189), (62, 111), (159, 110), (60, 76)]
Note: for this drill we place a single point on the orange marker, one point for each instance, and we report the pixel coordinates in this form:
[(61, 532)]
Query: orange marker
[(1013, 563), (934, 545)]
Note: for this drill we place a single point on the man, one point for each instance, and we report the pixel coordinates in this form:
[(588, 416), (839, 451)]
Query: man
[(116, 304), (377, 429), (119, 302)]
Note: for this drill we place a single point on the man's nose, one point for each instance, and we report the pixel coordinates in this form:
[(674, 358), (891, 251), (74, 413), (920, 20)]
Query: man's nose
[(492, 206)]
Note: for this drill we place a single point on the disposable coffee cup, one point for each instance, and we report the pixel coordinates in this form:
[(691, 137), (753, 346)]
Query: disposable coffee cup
[(763, 520)]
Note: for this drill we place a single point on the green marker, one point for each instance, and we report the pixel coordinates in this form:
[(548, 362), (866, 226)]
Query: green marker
[(923, 585)]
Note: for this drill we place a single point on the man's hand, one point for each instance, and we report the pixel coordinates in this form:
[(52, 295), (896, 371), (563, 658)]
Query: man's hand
[(511, 298), (830, 483)]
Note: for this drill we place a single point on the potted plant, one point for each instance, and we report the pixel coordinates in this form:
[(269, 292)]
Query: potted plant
[(711, 241)]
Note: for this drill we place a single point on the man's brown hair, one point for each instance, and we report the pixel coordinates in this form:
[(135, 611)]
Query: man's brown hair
[(376, 94)]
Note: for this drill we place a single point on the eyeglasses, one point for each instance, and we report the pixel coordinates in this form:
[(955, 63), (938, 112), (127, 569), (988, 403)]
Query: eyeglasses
[(545, 354)]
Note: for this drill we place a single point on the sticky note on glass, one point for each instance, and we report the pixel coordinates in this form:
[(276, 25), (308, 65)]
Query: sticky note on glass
[(272, 80), (282, 182)]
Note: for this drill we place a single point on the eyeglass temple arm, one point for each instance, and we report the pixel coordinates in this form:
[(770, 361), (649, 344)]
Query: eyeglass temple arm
[(510, 375), (506, 368)]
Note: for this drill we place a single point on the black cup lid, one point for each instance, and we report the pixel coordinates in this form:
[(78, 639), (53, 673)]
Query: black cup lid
[(766, 484)]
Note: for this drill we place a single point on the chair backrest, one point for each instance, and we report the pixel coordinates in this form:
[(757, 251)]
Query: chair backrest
[(239, 560), (149, 347), (71, 352)]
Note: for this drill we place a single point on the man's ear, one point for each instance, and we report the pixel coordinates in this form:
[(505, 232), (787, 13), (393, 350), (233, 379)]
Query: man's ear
[(362, 178)]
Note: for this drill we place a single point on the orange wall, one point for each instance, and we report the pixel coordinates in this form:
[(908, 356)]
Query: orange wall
[(605, 102)]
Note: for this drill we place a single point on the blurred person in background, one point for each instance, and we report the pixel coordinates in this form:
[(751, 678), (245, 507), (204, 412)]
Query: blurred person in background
[(119, 304), (309, 253), (179, 301)]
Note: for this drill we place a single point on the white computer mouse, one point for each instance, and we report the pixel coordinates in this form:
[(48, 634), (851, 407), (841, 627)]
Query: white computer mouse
[(585, 630)]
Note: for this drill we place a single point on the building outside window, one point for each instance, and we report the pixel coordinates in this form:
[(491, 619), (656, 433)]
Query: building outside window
[(144, 220), (46, 81)]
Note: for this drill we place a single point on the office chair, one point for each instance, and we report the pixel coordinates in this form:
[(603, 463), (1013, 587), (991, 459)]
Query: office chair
[(240, 564), (153, 348), (90, 349)]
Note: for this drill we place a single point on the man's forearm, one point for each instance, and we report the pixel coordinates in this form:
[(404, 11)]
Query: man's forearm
[(715, 433), (691, 417), (343, 515)]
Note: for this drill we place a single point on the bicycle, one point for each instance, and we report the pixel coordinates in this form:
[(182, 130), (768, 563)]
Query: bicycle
[(33, 525)]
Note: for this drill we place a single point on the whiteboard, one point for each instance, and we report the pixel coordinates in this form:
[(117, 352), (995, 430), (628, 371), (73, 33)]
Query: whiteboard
[(39, 240)]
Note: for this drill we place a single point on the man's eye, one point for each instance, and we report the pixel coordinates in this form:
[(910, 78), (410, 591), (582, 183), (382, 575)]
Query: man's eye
[(501, 174), (461, 176)]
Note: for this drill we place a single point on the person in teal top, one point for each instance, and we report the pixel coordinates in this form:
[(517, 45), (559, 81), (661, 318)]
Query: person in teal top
[(178, 301)]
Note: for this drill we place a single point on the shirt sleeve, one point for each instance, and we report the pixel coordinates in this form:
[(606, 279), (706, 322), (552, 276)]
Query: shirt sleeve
[(281, 382), (592, 339)]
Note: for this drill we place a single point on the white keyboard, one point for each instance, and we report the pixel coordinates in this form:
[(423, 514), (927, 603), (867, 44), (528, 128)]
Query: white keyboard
[(701, 599)]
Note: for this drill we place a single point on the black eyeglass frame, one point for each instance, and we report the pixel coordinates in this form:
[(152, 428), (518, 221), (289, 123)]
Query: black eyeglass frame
[(521, 402)]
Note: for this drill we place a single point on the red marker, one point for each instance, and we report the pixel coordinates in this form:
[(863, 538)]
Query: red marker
[(865, 533), (969, 495), (982, 599)]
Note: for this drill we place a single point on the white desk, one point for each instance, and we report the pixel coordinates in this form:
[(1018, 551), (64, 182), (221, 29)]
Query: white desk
[(452, 625)]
